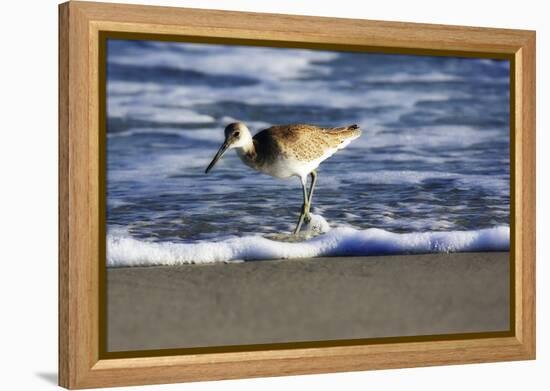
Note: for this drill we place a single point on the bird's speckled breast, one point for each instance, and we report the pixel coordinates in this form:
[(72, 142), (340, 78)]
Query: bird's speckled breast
[(276, 165)]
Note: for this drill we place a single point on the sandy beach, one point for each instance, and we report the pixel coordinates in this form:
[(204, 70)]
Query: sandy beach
[(306, 299)]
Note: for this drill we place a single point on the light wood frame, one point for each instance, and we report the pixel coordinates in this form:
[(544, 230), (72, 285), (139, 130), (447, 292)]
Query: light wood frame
[(80, 24)]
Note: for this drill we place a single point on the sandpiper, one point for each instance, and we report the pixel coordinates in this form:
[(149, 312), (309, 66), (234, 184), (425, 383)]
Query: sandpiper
[(287, 150)]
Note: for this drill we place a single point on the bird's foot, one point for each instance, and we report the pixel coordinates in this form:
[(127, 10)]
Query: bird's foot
[(304, 218), (310, 226)]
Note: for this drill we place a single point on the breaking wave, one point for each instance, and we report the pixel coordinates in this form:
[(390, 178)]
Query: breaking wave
[(123, 250)]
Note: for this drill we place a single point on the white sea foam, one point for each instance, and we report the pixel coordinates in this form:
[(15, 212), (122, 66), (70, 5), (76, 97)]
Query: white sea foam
[(268, 63), (158, 114), (122, 250), (267, 92), (316, 225), (441, 137), (403, 77)]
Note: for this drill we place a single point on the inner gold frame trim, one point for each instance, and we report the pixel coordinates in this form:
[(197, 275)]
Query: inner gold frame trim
[(103, 353), (84, 29)]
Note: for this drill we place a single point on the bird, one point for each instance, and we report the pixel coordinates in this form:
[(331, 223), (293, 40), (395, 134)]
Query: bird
[(284, 151)]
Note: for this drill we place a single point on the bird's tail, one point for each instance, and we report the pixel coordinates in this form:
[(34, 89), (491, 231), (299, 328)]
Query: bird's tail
[(354, 130), (346, 134)]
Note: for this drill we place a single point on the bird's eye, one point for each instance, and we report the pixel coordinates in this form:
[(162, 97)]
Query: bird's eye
[(236, 134)]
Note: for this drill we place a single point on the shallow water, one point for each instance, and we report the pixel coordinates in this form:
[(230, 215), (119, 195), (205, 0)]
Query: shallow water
[(434, 154)]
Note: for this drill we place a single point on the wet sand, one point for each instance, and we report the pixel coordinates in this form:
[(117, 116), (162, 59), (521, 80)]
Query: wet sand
[(306, 299)]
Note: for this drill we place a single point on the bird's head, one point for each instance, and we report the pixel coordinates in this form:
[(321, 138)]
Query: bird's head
[(237, 135)]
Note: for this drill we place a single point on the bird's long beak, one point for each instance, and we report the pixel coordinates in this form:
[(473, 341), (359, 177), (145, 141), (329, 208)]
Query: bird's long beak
[(218, 156)]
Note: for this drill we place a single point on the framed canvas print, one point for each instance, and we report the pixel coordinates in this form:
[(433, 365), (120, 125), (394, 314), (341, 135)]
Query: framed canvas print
[(249, 195)]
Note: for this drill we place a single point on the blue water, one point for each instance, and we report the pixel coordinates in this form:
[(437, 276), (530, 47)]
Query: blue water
[(434, 154)]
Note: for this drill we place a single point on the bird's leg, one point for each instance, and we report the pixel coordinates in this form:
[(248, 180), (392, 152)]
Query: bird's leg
[(305, 207), (313, 183)]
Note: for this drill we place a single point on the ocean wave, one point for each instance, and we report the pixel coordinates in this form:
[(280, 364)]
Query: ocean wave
[(431, 77), (158, 114), (402, 77), (269, 63), (123, 250), (267, 92)]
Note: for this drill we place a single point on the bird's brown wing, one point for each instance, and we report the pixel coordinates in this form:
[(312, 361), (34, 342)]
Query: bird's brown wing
[(304, 142)]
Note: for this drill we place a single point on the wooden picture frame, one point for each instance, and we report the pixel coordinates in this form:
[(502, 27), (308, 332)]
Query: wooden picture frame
[(82, 363)]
